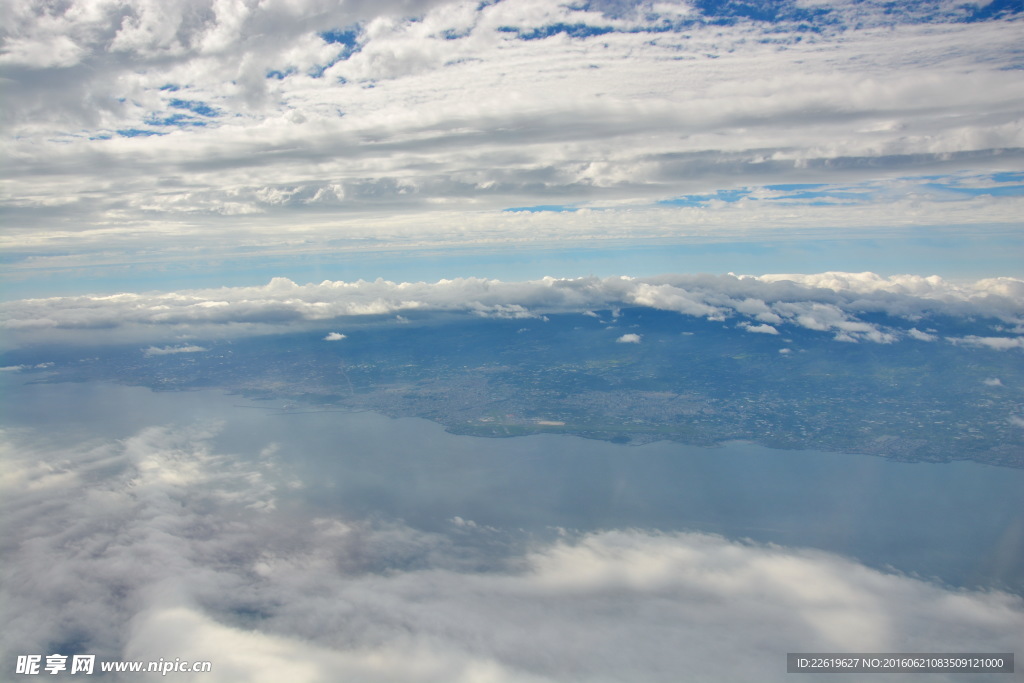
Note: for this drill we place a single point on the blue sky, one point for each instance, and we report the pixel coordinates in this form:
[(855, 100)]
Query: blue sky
[(157, 144)]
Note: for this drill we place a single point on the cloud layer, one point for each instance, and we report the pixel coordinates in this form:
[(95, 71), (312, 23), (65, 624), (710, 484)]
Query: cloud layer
[(839, 304), (159, 546), (144, 131)]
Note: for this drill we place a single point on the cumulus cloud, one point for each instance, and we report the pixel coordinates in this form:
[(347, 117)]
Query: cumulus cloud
[(629, 339), (840, 304), (158, 545), (992, 382), (335, 336)]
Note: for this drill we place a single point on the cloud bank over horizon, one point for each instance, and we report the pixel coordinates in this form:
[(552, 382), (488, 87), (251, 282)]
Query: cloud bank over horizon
[(839, 304), (148, 132), (160, 545)]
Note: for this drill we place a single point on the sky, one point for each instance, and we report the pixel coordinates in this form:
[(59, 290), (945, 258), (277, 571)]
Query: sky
[(163, 145), (180, 171)]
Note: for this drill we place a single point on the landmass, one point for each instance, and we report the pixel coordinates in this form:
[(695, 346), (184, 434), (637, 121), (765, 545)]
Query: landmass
[(675, 377)]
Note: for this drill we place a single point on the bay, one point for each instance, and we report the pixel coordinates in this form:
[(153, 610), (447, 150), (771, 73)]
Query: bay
[(960, 523)]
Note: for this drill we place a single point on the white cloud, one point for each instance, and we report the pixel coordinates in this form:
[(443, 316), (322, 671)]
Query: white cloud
[(917, 334), (166, 350), (629, 339), (159, 546), (992, 382), (510, 311), (266, 148), (19, 368), (997, 343), (831, 303), (762, 329), (335, 336)]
